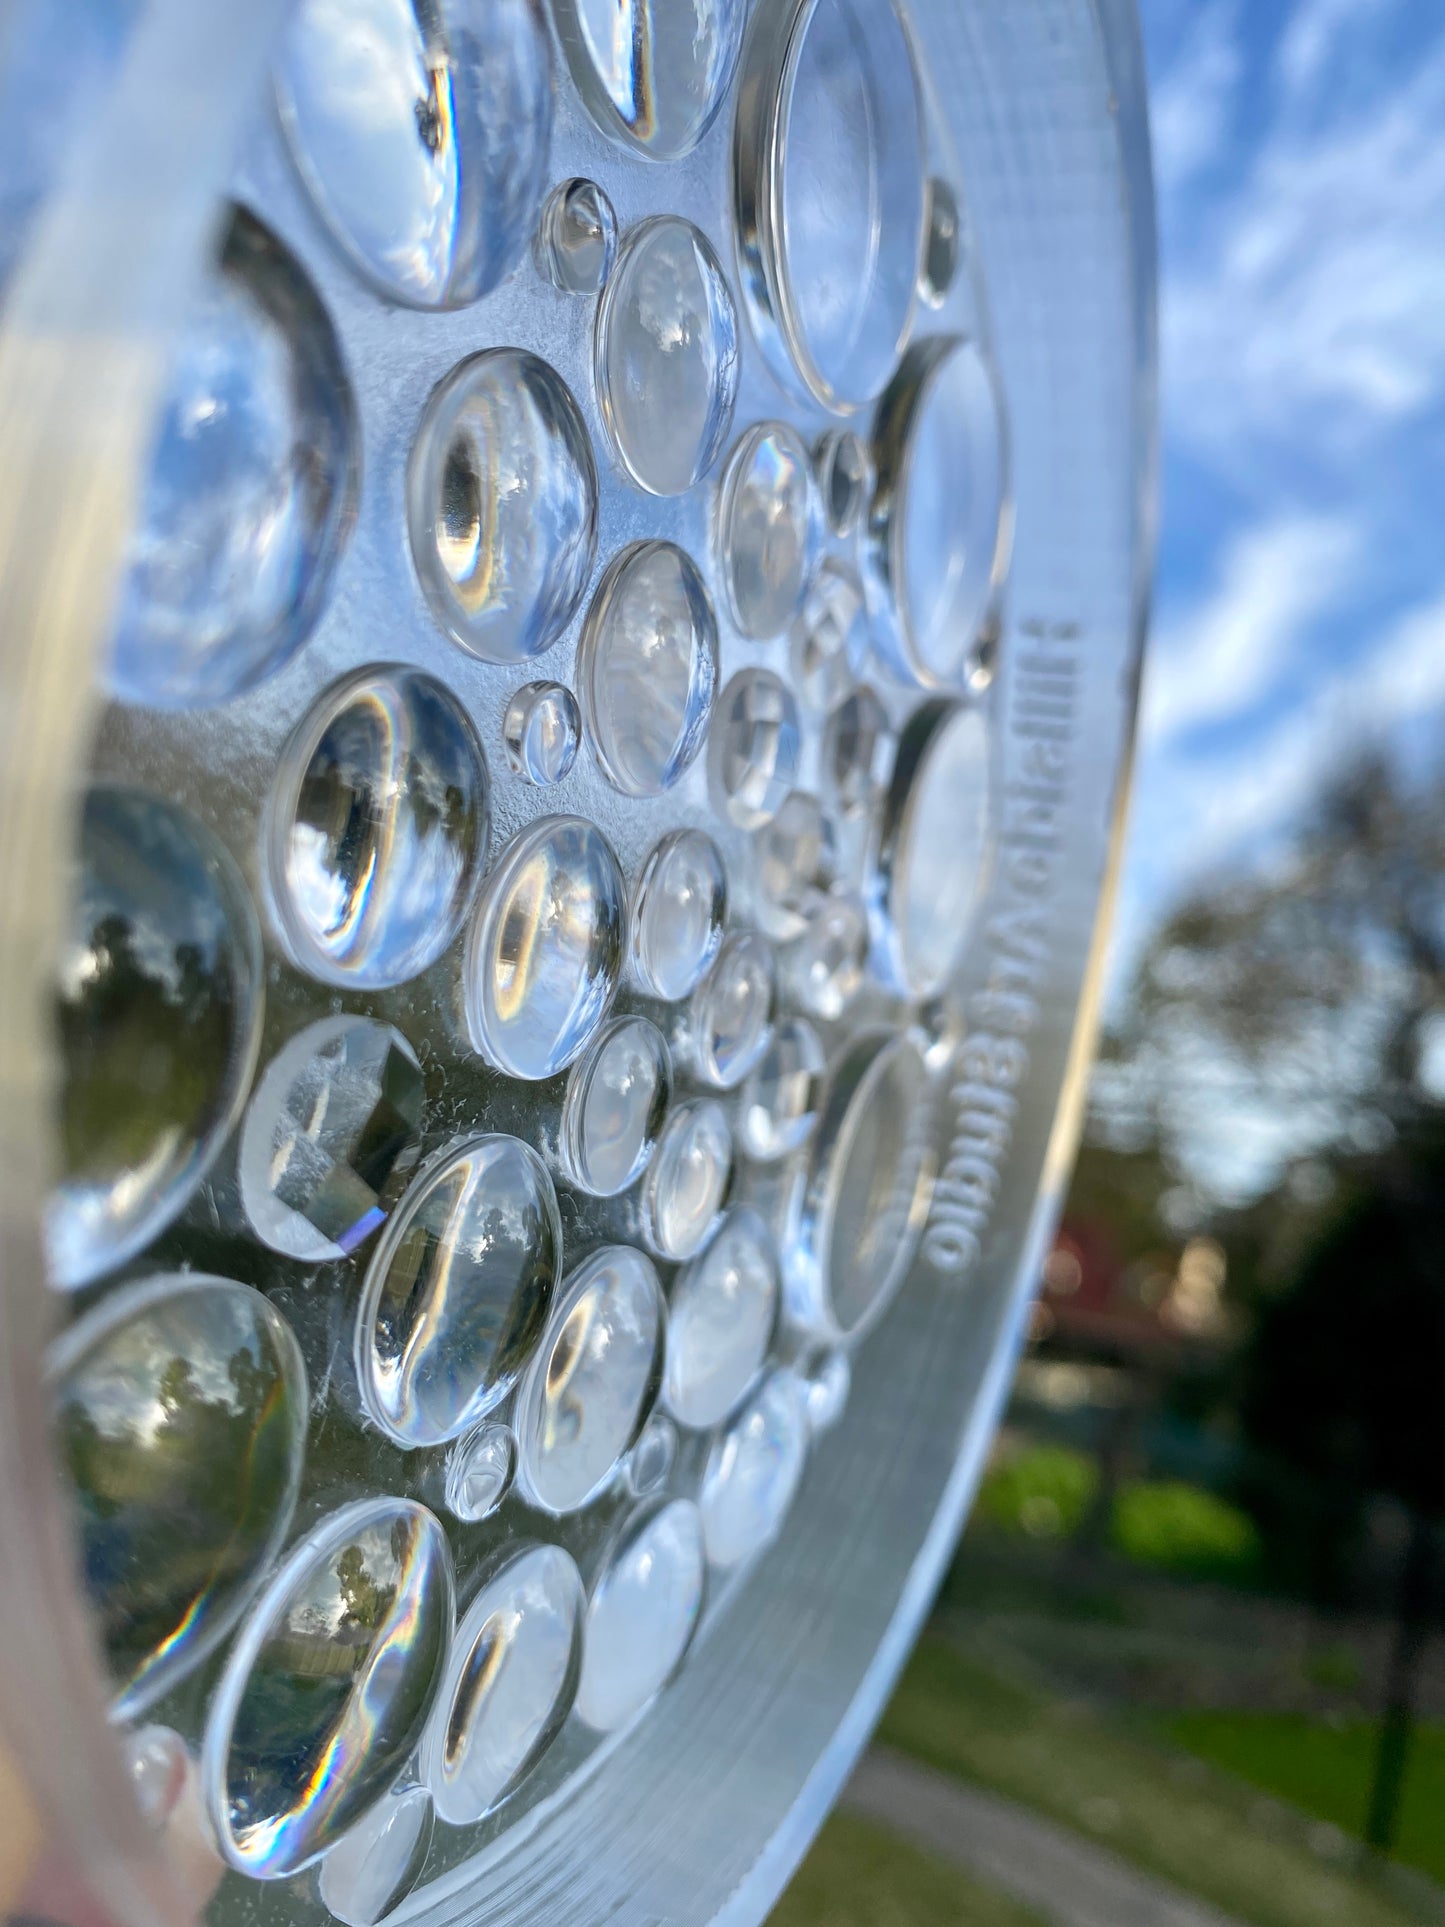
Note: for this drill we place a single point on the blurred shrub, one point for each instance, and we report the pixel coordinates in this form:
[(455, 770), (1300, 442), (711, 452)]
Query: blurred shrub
[(1182, 1528), (1042, 1491)]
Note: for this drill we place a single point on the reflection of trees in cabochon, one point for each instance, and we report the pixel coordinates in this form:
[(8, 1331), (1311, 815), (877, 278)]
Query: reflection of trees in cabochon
[(125, 967), (177, 1389), (89, 1458), (428, 122), (366, 1601), (247, 1387), (146, 1022), (195, 984), (251, 1378), (118, 974)]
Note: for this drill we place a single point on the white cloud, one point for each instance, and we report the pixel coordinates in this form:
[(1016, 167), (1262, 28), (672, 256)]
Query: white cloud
[(1311, 36), (1233, 649), (1405, 678), (1190, 105), (1400, 680), (1309, 312), (1193, 811)]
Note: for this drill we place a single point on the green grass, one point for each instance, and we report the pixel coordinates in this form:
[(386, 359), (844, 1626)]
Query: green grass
[(1328, 1771), (859, 1875), (1116, 1786)]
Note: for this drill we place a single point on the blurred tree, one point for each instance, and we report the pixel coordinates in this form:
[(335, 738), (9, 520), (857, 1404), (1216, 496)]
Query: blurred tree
[(1120, 1186), (1292, 1011), (1283, 1053), (1345, 1374)]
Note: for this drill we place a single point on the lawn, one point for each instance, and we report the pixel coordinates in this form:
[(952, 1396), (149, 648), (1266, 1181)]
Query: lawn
[(1118, 1786), (860, 1875), (1327, 1771)]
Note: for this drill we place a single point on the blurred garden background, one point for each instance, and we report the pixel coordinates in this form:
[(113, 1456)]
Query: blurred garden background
[(1196, 1619), (1192, 1643)]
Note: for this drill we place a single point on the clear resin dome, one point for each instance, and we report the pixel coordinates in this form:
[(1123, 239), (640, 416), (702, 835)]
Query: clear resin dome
[(422, 133), (159, 1018)]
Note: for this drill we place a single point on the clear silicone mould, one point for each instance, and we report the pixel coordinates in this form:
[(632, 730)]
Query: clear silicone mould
[(161, 144)]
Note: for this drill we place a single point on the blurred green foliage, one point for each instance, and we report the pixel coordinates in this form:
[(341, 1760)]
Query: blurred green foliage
[(1181, 1528), (1043, 1491)]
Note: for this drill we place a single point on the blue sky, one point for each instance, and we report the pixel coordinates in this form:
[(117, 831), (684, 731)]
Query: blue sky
[(1300, 604)]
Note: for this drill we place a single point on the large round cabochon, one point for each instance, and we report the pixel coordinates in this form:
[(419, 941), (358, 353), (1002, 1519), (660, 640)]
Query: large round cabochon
[(422, 133), (327, 1691), (159, 1017), (546, 947), (458, 1290), (830, 186), (180, 1413)]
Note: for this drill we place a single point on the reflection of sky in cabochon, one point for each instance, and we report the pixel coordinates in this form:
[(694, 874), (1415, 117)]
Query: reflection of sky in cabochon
[(331, 1597), (585, 1396), (202, 1335), (667, 355), (671, 297), (502, 504), (243, 514), (546, 949), (654, 72), (379, 835), (146, 870), (458, 1290), (423, 135)]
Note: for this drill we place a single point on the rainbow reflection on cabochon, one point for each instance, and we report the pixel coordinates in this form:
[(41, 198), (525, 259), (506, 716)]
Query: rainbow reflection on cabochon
[(328, 1690)]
